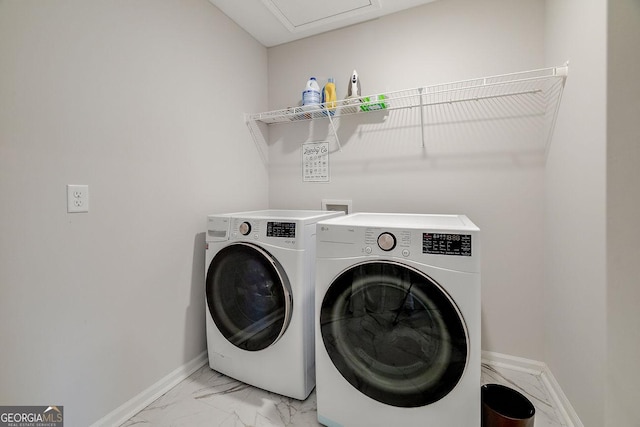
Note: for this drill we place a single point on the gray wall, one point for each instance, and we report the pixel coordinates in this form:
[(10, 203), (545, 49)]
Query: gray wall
[(623, 213), (492, 171), (575, 208), (142, 100)]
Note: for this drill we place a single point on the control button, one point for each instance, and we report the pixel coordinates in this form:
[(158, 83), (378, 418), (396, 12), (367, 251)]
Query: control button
[(368, 249), (386, 241), (405, 252), (245, 228)]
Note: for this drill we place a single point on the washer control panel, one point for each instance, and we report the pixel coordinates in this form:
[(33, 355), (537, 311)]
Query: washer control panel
[(451, 244), (281, 229), (376, 239), (278, 232), (448, 241)]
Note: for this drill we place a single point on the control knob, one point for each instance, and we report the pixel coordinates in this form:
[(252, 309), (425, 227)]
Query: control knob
[(245, 228), (386, 241)]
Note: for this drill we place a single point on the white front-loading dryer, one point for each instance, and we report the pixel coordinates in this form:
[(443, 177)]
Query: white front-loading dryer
[(259, 297), (398, 321)]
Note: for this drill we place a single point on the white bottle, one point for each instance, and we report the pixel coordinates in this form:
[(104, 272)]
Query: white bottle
[(353, 89), (311, 94)]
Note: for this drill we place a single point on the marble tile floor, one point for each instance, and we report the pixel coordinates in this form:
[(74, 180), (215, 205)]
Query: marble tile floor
[(207, 398)]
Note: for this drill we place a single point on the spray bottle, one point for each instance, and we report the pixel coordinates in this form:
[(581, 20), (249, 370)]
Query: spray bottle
[(353, 90)]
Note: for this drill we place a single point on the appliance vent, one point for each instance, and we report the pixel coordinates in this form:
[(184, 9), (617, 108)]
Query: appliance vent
[(299, 15)]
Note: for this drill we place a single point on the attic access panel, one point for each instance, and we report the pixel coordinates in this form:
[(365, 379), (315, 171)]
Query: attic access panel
[(298, 15)]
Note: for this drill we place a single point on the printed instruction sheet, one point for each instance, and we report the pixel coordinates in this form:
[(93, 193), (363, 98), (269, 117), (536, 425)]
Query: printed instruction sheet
[(315, 162)]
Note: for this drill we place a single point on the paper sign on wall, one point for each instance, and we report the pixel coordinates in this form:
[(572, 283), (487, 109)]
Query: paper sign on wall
[(315, 162)]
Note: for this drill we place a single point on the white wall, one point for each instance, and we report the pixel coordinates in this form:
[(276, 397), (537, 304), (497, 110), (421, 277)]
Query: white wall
[(142, 100), (623, 212), (491, 171), (575, 208)]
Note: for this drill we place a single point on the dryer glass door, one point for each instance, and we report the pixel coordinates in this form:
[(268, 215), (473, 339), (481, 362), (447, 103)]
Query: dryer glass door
[(394, 334), (249, 296)]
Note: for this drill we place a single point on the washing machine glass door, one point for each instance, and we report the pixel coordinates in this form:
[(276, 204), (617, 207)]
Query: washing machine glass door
[(394, 334), (249, 296)]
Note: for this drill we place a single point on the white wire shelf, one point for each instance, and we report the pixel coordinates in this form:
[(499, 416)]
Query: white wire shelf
[(536, 91)]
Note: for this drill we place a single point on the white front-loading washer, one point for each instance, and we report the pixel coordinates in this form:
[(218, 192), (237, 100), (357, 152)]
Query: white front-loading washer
[(398, 321), (259, 297)]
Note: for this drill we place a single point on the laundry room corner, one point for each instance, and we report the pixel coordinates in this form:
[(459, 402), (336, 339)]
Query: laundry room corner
[(489, 170)]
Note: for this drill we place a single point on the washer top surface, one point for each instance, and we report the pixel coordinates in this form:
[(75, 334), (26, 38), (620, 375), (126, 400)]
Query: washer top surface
[(397, 220), (283, 214)]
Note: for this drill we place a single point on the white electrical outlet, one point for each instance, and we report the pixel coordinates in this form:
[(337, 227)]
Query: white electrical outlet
[(77, 198)]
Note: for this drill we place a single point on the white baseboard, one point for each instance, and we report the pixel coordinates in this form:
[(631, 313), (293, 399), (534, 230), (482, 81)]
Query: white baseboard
[(512, 362), (121, 414), (563, 404), (560, 401)]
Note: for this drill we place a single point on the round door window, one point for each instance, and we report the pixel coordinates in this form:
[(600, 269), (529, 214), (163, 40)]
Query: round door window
[(249, 296), (394, 334)]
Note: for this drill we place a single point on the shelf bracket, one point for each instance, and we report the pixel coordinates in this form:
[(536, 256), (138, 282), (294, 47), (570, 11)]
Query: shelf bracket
[(333, 127), (258, 138)]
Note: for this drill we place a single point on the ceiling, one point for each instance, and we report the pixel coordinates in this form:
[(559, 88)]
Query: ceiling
[(273, 22)]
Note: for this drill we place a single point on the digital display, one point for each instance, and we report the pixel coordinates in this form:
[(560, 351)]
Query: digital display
[(281, 229), (446, 244)]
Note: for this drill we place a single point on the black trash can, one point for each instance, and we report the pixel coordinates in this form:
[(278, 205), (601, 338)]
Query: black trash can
[(505, 407)]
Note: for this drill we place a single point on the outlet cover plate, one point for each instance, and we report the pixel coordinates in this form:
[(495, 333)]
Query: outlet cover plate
[(77, 198)]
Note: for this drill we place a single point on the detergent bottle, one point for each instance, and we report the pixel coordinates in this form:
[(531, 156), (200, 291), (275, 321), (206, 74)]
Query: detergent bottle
[(329, 96), (311, 93)]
